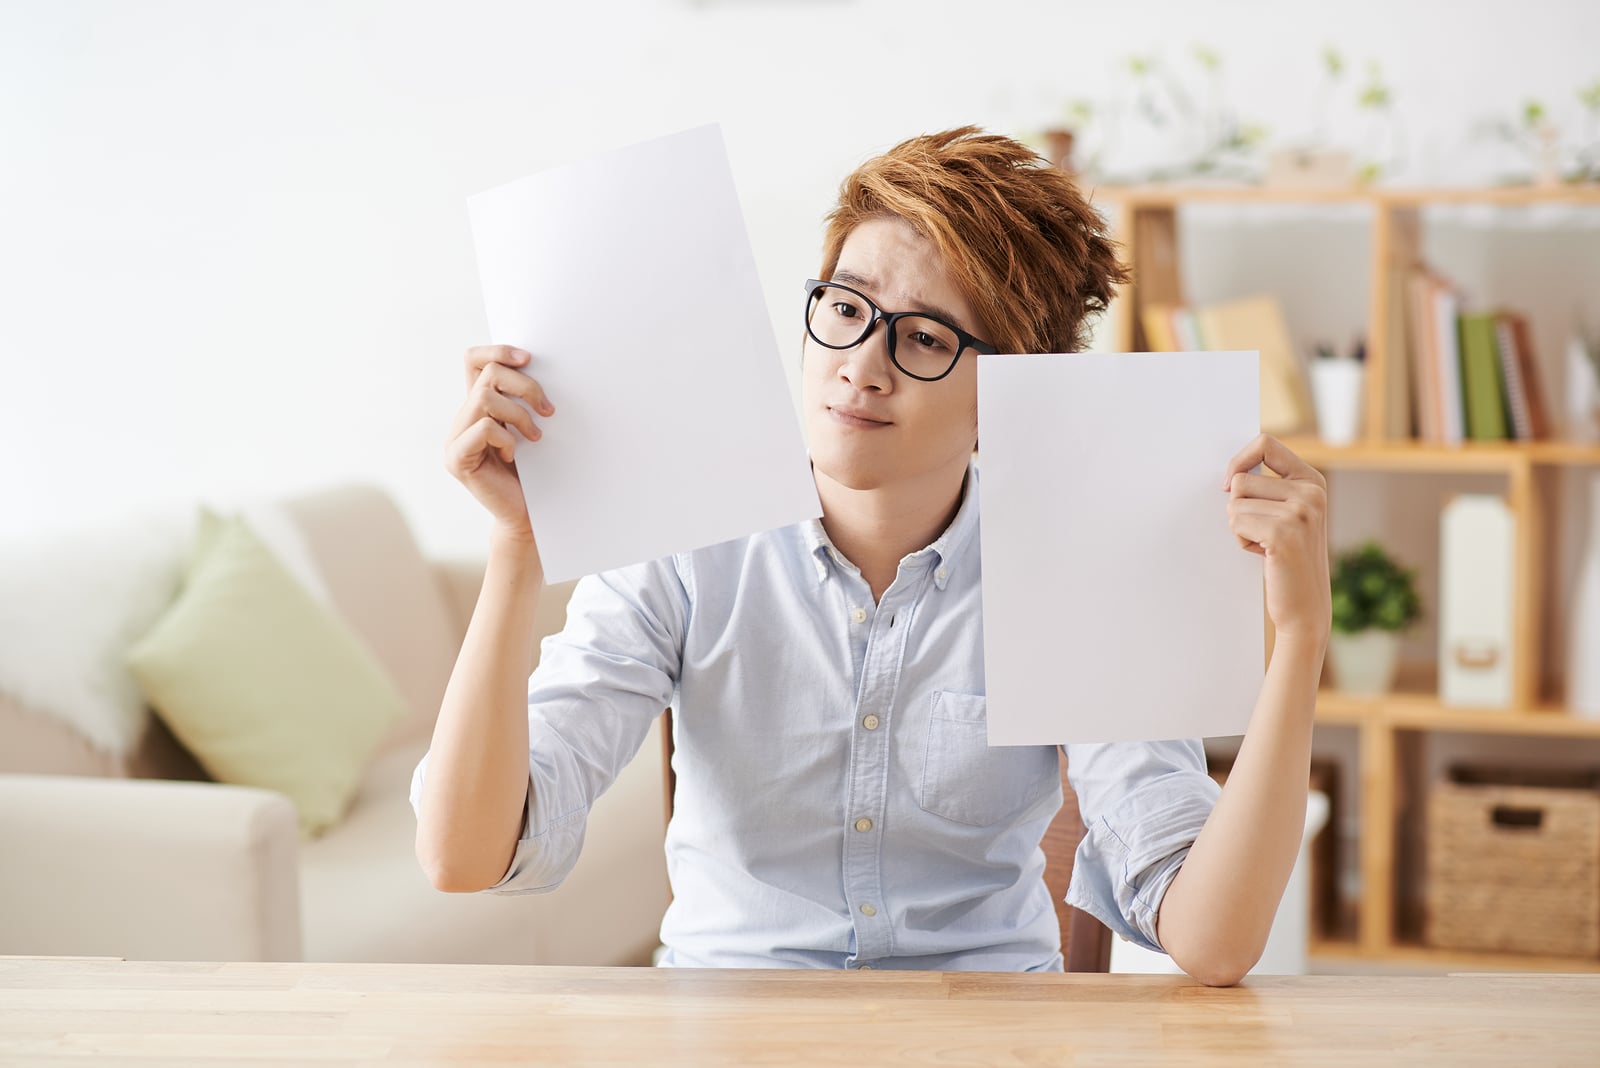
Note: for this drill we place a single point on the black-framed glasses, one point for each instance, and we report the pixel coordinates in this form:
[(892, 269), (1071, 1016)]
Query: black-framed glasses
[(922, 346)]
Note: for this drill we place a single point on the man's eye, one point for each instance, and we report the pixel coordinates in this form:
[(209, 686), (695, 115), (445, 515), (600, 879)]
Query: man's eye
[(845, 309)]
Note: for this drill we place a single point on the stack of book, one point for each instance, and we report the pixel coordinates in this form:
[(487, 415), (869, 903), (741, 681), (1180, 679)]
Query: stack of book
[(1255, 322), (1455, 374)]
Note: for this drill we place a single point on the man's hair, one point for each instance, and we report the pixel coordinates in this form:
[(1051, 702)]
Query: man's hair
[(1025, 247)]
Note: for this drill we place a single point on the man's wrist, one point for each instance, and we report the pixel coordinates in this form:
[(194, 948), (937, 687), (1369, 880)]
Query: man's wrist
[(515, 547), (1308, 645)]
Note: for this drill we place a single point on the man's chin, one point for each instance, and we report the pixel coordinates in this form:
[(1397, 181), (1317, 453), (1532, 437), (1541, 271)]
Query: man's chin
[(850, 473)]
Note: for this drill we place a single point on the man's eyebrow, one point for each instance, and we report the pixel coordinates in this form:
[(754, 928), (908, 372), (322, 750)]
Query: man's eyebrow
[(850, 278)]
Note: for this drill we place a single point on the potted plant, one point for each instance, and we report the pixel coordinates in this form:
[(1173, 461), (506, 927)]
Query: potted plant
[(1374, 600)]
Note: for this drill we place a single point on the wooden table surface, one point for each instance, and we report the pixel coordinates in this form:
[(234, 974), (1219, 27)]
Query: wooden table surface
[(119, 1012)]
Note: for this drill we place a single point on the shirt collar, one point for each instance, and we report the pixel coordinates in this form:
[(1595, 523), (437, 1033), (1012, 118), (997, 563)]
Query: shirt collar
[(944, 552)]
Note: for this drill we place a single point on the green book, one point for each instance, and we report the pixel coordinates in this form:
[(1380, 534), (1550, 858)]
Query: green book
[(1482, 389)]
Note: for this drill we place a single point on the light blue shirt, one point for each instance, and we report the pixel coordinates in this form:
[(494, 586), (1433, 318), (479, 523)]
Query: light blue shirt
[(837, 803)]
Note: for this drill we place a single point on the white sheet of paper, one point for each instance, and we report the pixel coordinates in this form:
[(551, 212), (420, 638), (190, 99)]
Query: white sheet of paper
[(1117, 604), (629, 278)]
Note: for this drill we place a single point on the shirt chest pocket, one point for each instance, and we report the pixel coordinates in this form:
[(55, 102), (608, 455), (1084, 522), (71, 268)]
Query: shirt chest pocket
[(965, 780)]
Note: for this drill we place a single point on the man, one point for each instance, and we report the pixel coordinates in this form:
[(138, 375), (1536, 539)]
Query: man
[(837, 804)]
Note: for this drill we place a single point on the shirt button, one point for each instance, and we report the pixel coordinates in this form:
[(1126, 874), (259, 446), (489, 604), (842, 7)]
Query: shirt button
[(863, 824), (940, 574), (868, 910), (858, 615), (870, 721)]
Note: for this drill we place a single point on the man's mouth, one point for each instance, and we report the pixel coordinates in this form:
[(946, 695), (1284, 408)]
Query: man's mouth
[(856, 417)]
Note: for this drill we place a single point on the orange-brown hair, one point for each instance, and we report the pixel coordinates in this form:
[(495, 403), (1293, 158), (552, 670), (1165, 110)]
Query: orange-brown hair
[(1025, 247)]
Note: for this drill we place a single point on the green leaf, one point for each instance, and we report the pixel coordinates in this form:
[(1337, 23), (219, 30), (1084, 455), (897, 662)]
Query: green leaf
[(1369, 589)]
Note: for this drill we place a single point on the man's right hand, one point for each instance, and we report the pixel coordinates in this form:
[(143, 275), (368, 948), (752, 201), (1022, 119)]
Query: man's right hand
[(481, 452)]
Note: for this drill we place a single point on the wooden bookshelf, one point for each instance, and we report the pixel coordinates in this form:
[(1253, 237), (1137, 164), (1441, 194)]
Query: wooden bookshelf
[(1472, 457), (1145, 221), (1418, 957), (1502, 196)]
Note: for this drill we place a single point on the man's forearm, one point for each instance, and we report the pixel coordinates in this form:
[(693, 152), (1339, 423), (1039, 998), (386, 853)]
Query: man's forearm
[(1216, 914), (473, 795)]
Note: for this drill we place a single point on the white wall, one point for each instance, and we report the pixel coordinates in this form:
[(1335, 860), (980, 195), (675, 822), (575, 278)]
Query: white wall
[(234, 256)]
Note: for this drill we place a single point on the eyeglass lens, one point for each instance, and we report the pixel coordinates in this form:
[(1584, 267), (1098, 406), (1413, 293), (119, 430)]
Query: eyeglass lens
[(922, 346)]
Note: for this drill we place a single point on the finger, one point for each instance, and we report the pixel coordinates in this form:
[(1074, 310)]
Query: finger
[(514, 383), (480, 356), (1259, 506), (1277, 456), (465, 452), (1251, 532), (1296, 513), (1265, 487), (508, 412), (486, 399)]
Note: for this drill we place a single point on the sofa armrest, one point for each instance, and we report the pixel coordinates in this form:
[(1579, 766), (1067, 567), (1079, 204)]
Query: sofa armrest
[(147, 869)]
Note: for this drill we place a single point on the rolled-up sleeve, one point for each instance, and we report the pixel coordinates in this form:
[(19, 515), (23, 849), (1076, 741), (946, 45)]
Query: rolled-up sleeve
[(600, 683), (1143, 805)]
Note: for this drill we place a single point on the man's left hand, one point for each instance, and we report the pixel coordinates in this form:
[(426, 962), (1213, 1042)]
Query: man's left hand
[(1284, 520)]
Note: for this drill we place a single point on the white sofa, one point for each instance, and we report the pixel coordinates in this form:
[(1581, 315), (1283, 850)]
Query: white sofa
[(143, 857)]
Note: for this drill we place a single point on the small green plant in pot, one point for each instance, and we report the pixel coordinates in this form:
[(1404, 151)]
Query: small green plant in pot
[(1374, 601)]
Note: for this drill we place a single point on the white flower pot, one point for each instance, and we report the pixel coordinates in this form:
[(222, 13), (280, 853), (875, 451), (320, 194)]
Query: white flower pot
[(1365, 662), (1336, 393)]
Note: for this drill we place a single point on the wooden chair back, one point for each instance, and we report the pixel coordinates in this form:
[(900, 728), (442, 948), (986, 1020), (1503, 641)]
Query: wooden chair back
[(1085, 941)]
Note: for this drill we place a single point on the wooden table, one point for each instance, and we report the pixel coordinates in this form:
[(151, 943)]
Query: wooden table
[(108, 1011)]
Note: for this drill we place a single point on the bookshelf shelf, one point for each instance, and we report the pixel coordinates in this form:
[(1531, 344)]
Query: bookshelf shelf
[(1499, 196), (1471, 457), (1424, 712), (1390, 728), (1340, 953)]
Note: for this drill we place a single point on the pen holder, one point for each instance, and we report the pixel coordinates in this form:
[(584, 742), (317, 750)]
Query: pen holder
[(1336, 390)]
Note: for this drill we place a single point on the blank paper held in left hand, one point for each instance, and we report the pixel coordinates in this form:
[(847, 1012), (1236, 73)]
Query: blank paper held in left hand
[(629, 278), (1117, 603)]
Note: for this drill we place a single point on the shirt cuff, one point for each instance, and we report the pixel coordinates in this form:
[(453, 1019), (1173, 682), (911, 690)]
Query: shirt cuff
[(1122, 887)]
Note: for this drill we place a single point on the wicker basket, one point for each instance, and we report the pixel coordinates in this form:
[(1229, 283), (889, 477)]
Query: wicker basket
[(1513, 862)]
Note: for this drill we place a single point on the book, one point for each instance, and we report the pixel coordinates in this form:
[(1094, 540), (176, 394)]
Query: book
[(1186, 328), (1447, 340), (1511, 377), (1521, 370), (1258, 323), (1420, 291), (1157, 322), (1483, 389), (1399, 363)]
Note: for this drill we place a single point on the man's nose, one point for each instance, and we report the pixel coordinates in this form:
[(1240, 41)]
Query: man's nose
[(866, 364)]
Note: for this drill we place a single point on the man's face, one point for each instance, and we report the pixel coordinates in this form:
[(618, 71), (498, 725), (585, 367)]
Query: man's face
[(869, 425)]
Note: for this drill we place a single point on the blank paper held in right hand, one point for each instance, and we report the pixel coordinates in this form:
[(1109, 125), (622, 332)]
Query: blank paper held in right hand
[(630, 279)]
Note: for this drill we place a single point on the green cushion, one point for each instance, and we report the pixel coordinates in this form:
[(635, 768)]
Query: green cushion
[(264, 685)]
